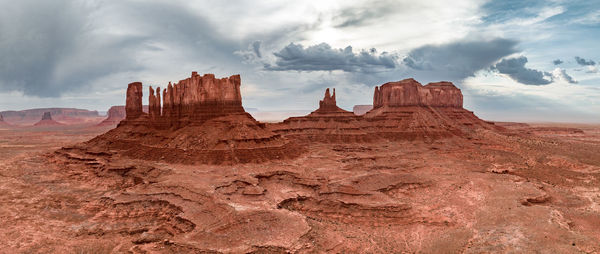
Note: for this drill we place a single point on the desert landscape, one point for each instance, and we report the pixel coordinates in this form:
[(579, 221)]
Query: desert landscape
[(195, 173), (338, 126)]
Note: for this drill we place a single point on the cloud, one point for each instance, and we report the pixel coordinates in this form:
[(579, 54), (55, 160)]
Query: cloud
[(322, 57), (515, 69), (561, 74), (582, 61), (557, 62), (48, 55), (252, 54), (44, 54), (461, 59), (354, 16)]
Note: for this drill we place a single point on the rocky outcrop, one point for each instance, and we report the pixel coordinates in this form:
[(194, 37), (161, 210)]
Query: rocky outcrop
[(409, 92), (133, 103), (200, 120), (329, 124), (47, 120), (360, 110), (407, 110), (190, 101), (328, 104)]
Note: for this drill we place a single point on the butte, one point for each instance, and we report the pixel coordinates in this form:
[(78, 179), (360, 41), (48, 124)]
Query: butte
[(3, 123), (116, 114), (327, 124), (407, 110), (47, 120), (200, 121)]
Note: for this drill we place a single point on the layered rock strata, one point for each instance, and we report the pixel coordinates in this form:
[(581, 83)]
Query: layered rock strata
[(328, 123), (197, 120), (408, 110)]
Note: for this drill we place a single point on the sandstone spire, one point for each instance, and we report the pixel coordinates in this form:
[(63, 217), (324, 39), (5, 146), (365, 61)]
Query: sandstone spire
[(133, 103), (328, 103)]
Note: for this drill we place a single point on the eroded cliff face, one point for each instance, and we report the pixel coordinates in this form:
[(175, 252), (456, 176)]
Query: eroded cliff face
[(133, 104), (192, 100), (197, 120), (407, 110), (409, 92)]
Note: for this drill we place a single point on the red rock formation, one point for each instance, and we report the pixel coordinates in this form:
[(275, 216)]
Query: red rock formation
[(328, 104), (360, 110), (192, 100), (116, 114), (201, 121), (133, 104), (409, 92), (407, 110), (47, 121), (328, 123)]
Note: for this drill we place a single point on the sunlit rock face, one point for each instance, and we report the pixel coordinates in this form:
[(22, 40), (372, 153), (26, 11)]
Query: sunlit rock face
[(409, 92)]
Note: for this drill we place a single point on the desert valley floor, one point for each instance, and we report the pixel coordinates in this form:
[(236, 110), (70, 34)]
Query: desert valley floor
[(532, 189)]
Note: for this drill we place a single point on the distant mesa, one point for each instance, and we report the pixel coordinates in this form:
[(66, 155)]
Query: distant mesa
[(197, 120), (328, 123), (360, 110), (63, 115), (47, 121), (116, 114)]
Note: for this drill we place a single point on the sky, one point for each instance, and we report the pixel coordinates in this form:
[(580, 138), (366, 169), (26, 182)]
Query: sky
[(513, 60)]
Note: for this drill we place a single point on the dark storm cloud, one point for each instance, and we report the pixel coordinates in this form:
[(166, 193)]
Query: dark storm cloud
[(557, 62), (515, 69), (48, 48), (322, 57), (39, 48), (459, 60), (584, 62)]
